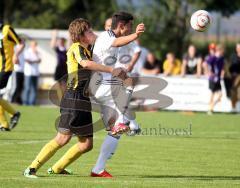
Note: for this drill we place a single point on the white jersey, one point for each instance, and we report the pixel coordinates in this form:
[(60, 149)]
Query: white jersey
[(104, 53), (126, 53)]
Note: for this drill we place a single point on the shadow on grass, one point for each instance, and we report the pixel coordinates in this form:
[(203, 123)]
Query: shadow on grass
[(204, 178), (63, 176), (192, 177)]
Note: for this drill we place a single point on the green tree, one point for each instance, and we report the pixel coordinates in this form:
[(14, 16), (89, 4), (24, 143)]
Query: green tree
[(166, 25), (167, 21), (55, 13)]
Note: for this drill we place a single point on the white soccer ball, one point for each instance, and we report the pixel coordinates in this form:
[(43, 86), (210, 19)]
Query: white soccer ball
[(200, 20)]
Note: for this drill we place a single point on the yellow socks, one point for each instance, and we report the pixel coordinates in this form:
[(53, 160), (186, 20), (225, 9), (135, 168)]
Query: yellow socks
[(3, 118), (7, 106), (45, 154), (71, 155)]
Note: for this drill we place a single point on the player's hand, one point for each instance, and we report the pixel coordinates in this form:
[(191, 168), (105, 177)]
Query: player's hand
[(140, 29), (54, 33), (120, 73)]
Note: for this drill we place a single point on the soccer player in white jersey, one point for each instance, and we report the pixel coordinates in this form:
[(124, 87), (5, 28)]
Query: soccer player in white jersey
[(123, 57)]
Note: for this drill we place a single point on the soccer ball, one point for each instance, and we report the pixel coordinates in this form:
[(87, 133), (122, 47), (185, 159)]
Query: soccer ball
[(200, 20)]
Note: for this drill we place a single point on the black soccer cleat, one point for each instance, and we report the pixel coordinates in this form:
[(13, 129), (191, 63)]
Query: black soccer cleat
[(14, 120), (4, 129)]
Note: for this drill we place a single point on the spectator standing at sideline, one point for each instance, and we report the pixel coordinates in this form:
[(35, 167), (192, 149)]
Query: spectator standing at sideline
[(235, 75), (18, 78), (211, 52), (216, 72), (31, 74), (60, 75)]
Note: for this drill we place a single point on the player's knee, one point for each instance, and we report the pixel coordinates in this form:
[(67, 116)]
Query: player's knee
[(89, 147), (86, 145), (62, 139)]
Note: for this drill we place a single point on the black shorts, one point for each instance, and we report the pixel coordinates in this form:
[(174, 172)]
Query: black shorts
[(214, 86), (4, 76), (76, 116)]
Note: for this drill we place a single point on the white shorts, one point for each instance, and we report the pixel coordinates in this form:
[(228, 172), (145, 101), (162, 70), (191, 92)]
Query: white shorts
[(108, 96)]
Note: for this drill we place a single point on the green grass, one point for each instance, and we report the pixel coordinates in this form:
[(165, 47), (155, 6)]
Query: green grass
[(209, 157)]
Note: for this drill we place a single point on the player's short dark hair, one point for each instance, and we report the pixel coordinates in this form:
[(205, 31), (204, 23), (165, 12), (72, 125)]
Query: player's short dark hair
[(77, 28), (121, 16)]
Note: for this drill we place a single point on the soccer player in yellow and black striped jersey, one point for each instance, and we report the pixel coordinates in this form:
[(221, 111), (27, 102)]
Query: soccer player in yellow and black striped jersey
[(8, 39), (73, 120)]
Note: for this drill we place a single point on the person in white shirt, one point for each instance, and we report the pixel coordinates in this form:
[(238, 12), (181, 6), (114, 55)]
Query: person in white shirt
[(18, 78), (105, 52), (31, 74)]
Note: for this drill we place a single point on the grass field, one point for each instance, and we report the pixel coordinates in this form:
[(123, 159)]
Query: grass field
[(207, 155)]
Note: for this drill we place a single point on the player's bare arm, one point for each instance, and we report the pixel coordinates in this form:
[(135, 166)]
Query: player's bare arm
[(121, 41), (91, 65)]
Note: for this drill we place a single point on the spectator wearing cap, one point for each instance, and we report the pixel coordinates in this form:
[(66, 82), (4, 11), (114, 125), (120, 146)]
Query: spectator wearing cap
[(172, 65), (211, 52), (216, 73)]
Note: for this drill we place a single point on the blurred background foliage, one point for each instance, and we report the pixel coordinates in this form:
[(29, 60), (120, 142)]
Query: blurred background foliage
[(167, 21)]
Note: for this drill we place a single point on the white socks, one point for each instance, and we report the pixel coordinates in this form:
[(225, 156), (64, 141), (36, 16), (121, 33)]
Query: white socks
[(108, 148)]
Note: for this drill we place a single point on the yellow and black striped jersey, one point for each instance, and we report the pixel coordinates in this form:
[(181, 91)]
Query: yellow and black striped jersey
[(77, 77), (8, 39)]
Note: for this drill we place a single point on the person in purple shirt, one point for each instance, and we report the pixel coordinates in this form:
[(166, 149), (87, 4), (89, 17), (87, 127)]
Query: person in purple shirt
[(60, 75), (216, 72), (211, 52)]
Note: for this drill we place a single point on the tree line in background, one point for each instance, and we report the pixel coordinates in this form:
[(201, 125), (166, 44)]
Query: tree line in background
[(167, 21)]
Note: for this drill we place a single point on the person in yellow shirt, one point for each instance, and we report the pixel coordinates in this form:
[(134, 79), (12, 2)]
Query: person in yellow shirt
[(172, 65), (8, 39)]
